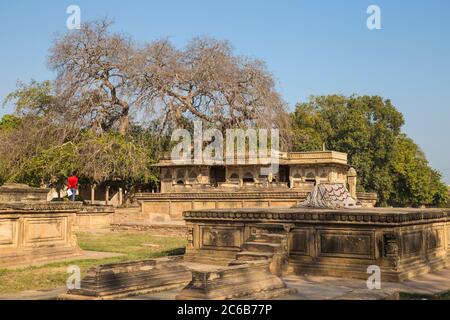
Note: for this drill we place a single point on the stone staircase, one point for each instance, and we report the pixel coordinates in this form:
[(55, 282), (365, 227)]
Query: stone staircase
[(265, 246)]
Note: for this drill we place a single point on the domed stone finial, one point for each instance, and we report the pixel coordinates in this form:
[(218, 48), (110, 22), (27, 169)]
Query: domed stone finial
[(330, 196), (351, 172)]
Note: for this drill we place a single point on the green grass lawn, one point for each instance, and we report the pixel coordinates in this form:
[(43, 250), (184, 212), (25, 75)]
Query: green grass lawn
[(133, 246)]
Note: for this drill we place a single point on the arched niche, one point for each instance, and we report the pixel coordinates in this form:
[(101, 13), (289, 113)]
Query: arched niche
[(248, 178)]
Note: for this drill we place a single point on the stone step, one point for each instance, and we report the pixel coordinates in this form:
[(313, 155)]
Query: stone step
[(269, 238), (262, 247), (238, 281), (250, 255)]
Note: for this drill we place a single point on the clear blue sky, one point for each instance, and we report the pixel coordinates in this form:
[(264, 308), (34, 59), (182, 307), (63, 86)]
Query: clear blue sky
[(311, 47)]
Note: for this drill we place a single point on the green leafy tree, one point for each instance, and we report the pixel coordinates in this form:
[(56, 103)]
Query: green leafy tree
[(38, 148), (34, 98), (416, 183), (48, 167), (9, 122), (368, 128)]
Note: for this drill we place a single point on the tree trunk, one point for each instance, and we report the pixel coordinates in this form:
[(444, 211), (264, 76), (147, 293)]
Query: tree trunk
[(124, 124)]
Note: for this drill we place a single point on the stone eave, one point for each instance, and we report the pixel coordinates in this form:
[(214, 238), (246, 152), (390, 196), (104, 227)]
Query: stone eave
[(40, 207), (289, 158), (282, 162), (377, 216), (295, 195)]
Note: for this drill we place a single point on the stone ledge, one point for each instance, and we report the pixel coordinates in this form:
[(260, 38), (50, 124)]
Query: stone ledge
[(41, 207), (354, 216), (222, 195)]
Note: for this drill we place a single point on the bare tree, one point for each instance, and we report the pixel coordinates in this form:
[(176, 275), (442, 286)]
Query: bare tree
[(104, 77), (92, 67), (206, 81)]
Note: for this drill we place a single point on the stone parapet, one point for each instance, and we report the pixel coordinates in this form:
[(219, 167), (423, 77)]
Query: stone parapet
[(163, 207)]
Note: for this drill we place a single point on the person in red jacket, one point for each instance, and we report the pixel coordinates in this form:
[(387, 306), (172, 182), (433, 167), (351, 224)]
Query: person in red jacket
[(72, 183)]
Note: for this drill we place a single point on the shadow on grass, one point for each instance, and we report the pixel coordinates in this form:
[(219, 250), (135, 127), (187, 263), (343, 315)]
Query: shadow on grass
[(175, 252), (416, 296)]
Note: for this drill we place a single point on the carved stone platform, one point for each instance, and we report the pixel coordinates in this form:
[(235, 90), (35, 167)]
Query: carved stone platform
[(341, 242), (249, 280), (119, 280)]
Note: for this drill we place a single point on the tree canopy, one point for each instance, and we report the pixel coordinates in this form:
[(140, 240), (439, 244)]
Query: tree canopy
[(105, 78), (368, 128)]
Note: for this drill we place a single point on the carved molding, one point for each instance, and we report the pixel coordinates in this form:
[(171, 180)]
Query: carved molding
[(45, 206), (221, 195), (343, 216)]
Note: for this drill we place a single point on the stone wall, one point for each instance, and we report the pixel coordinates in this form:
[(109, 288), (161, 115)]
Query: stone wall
[(94, 217), (170, 206)]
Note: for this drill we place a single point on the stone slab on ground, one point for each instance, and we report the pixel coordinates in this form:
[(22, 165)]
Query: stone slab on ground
[(46, 294), (367, 294), (173, 228), (118, 280), (324, 288), (331, 288), (308, 288)]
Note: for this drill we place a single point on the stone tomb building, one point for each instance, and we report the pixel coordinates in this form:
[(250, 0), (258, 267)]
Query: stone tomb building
[(297, 170), (191, 187)]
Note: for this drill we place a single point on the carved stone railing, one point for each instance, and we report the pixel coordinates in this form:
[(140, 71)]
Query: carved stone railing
[(353, 216), (223, 195)]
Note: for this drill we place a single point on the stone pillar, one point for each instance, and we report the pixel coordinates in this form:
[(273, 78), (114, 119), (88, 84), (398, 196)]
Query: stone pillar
[(351, 180), (120, 196), (241, 176), (107, 195), (92, 194)]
